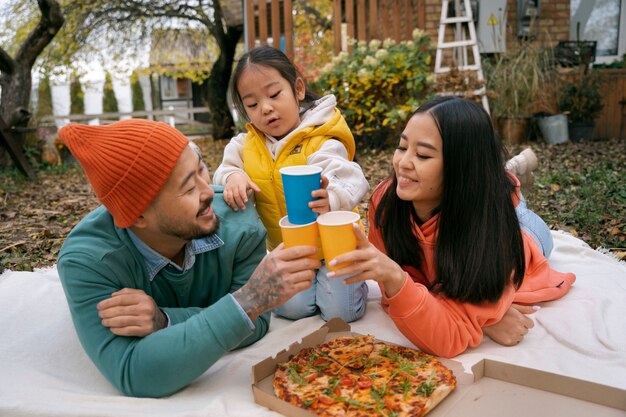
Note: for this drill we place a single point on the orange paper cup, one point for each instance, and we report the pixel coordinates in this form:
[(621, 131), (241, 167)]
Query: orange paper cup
[(337, 234), (299, 234)]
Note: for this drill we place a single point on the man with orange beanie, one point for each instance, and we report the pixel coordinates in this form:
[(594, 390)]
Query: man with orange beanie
[(164, 278)]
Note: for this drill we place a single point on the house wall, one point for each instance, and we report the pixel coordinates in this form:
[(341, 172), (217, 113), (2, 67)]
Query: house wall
[(553, 21)]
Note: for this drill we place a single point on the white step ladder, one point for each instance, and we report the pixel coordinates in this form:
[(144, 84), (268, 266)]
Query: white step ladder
[(460, 45)]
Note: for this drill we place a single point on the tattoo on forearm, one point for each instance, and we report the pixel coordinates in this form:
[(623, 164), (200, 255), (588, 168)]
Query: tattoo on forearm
[(159, 321), (265, 289)]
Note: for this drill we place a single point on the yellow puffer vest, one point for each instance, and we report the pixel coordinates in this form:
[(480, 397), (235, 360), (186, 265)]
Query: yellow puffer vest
[(264, 170)]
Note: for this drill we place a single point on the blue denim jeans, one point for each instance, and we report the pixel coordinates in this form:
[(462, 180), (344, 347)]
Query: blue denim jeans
[(330, 296), (535, 226)]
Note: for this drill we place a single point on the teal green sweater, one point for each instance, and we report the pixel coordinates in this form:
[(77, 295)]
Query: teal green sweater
[(99, 258)]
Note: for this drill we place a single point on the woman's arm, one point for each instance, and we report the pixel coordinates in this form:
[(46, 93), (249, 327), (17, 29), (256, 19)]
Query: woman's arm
[(431, 321), (513, 327)]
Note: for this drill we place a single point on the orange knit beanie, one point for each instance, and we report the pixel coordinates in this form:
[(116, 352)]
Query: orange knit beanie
[(127, 162)]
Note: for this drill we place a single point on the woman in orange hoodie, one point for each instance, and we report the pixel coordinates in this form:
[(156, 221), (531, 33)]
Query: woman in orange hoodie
[(445, 243)]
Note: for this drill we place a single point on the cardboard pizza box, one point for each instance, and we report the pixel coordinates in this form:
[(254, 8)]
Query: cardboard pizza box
[(492, 389)]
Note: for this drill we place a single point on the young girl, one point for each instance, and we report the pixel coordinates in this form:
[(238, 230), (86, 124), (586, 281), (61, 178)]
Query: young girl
[(446, 245), (289, 125)]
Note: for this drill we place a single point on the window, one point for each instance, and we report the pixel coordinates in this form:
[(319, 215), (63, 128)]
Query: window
[(603, 21), (174, 88)]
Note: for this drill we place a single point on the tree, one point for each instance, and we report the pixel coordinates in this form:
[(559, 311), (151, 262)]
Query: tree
[(130, 22), (15, 72), (315, 41)]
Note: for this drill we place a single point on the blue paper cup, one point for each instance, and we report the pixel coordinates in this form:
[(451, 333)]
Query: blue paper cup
[(298, 183)]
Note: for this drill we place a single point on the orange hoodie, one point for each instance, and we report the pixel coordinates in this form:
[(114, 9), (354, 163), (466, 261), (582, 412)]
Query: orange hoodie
[(446, 327)]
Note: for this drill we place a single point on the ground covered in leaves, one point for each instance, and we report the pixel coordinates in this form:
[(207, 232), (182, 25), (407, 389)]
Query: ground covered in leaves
[(579, 188)]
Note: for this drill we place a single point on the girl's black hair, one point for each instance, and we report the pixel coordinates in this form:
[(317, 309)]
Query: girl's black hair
[(267, 56), (479, 248)]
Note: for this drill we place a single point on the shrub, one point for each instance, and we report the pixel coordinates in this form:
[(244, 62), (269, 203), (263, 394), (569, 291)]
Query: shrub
[(44, 98), (581, 97), (379, 85), (109, 102), (77, 97), (137, 93)]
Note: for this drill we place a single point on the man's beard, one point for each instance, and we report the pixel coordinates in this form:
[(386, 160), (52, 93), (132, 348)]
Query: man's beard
[(190, 232)]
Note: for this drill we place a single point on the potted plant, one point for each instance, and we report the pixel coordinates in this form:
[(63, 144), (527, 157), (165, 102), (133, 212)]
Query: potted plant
[(517, 80), (581, 100)]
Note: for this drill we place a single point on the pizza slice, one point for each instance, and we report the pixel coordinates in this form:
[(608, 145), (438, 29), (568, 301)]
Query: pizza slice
[(316, 383), (398, 381), (375, 393), (350, 352), (420, 381)]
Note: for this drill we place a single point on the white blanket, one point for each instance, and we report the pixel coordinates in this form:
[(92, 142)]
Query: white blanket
[(44, 371)]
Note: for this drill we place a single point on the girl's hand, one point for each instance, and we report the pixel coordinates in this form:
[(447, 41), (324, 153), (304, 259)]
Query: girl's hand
[(367, 262), (236, 190), (322, 204)]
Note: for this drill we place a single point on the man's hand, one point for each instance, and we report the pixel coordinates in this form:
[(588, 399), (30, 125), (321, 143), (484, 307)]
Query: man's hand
[(513, 326), (280, 275), (131, 312), (236, 190)]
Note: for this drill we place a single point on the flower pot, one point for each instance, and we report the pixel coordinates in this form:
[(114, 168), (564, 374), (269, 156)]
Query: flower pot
[(579, 131), (553, 128), (514, 129)]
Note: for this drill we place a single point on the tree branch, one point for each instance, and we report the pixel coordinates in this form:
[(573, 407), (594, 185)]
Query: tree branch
[(50, 23), (217, 28), (7, 64)]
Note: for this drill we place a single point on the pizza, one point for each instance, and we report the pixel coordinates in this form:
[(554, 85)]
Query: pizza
[(361, 377)]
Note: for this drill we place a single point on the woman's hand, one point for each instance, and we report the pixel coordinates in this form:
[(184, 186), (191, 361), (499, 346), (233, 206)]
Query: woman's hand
[(513, 326), (322, 204), (367, 262), (236, 190)]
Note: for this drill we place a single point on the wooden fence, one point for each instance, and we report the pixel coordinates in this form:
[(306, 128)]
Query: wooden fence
[(174, 116), (612, 120), (365, 20), (352, 19), (277, 24), (181, 118)]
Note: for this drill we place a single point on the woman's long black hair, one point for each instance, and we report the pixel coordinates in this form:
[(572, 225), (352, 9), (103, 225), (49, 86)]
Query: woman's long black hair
[(270, 57), (479, 243)]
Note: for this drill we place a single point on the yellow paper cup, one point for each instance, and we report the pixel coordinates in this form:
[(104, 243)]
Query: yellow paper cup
[(299, 234), (337, 234)]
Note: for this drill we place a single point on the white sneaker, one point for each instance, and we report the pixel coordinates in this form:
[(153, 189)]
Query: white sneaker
[(522, 166)]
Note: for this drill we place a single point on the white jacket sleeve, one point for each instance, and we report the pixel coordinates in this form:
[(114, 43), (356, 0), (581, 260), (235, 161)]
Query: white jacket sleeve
[(347, 184), (232, 161)]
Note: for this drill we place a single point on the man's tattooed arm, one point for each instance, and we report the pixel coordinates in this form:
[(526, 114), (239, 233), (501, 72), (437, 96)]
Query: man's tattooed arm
[(159, 321), (264, 290)]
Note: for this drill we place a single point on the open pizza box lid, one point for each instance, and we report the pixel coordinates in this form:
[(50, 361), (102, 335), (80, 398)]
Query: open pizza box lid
[(491, 389)]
